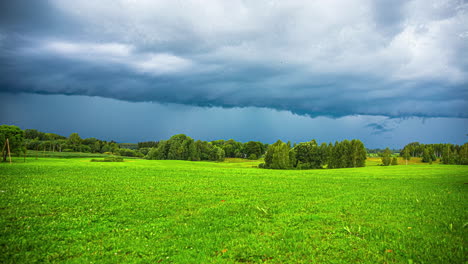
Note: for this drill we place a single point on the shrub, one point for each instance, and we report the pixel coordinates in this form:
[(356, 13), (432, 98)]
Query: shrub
[(386, 157), (109, 159), (129, 153), (394, 161), (252, 157)]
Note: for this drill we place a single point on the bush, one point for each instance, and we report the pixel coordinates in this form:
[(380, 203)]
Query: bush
[(305, 166), (109, 159), (144, 151), (261, 165), (129, 153), (394, 161), (252, 157), (386, 157)]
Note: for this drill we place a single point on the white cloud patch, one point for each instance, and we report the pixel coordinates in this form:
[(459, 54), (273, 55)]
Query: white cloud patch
[(121, 54)]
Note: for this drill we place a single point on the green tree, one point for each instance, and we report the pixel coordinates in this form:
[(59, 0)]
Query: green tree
[(463, 155), (406, 155), (309, 155), (253, 147), (386, 157), (216, 153), (426, 157), (277, 156), (448, 156), (394, 161), (252, 157), (232, 148), (357, 154), (74, 140), (194, 153), (15, 138)]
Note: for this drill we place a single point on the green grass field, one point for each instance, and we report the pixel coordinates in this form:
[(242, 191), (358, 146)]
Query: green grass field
[(139, 211)]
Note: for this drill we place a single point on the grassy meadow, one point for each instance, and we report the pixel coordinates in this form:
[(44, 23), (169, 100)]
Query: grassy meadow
[(139, 211)]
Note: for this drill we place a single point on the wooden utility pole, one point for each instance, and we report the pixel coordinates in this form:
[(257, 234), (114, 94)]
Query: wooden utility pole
[(3, 152), (8, 147)]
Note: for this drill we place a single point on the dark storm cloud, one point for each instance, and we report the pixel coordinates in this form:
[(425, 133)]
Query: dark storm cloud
[(378, 128), (407, 58)]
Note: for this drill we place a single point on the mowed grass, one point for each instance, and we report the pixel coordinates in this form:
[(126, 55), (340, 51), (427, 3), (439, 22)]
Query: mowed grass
[(139, 211)]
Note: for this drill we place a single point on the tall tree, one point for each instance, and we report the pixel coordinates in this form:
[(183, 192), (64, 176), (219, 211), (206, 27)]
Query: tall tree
[(277, 156), (74, 140), (463, 155), (406, 155), (426, 156)]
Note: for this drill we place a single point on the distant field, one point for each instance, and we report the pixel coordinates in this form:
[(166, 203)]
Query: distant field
[(139, 211)]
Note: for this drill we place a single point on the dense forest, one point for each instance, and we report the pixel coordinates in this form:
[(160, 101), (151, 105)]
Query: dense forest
[(280, 155)]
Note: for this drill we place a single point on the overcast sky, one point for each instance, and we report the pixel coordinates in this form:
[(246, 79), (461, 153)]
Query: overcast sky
[(385, 72)]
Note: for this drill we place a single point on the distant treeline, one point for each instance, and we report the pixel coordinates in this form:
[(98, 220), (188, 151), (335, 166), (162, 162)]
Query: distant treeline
[(447, 153), (182, 147), (310, 155), (40, 141), (280, 155), (378, 152)]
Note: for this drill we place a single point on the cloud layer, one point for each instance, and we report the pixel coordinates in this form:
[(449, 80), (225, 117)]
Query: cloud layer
[(319, 58)]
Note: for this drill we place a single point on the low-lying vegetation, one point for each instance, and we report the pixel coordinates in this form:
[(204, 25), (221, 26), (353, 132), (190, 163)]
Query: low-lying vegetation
[(146, 211), (109, 159)]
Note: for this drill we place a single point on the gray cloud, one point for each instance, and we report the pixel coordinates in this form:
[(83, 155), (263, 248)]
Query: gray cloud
[(320, 58), (133, 122)]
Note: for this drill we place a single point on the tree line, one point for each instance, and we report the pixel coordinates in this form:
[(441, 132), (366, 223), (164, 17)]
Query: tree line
[(447, 153), (182, 147), (31, 139), (280, 155), (310, 155), (179, 147)]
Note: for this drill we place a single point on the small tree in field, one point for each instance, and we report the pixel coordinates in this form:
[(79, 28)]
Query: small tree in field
[(386, 157), (406, 155), (394, 161)]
